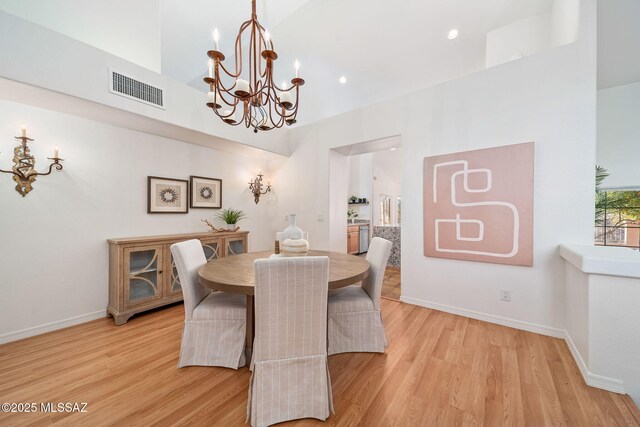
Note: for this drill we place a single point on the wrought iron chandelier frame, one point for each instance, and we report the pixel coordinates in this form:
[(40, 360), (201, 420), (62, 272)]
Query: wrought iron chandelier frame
[(265, 106)]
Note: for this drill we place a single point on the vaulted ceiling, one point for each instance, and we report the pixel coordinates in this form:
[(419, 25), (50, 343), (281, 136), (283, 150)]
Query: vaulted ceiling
[(383, 48)]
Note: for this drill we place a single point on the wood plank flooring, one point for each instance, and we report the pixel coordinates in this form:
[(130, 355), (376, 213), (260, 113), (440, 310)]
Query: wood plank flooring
[(391, 284), (439, 370)]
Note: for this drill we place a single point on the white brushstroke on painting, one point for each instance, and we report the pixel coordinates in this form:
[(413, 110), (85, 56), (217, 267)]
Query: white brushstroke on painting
[(465, 172)]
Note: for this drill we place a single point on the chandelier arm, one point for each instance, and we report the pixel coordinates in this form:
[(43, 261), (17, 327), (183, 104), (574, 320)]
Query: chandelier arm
[(218, 82), (230, 104), (243, 27), (273, 107), (223, 117), (274, 87)]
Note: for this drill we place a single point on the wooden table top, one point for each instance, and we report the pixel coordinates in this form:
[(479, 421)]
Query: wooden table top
[(235, 273)]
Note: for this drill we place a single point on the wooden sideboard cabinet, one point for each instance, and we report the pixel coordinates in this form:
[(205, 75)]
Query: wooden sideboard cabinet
[(142, 274)]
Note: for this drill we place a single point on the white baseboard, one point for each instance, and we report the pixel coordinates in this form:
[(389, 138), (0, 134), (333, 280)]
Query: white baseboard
[(591, 379), (491, 318), (48, 327)]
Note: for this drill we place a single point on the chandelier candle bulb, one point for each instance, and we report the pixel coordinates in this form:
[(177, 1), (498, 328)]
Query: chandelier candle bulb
[(213, 101), (56, 154), (216, 39), (285, 98), (297, 66), (24, 131), (242, 87), (210, 68)]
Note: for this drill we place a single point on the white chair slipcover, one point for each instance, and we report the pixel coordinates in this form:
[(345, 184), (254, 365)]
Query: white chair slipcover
[(355, 320), (215, 322), (290, 373)]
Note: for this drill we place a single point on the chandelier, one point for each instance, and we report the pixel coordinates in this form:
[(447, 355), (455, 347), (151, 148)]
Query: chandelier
[(258, 102)]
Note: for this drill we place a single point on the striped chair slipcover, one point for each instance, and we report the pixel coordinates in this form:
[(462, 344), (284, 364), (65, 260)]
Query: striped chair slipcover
[(215, 322), (290, 374), (355, 320)]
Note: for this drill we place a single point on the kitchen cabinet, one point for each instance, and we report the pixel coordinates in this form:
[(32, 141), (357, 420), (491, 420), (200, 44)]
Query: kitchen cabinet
[(353, 239)]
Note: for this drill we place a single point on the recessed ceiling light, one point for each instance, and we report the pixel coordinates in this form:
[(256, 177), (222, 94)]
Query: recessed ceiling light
[(342, 79), (393, 149), (452, 34)]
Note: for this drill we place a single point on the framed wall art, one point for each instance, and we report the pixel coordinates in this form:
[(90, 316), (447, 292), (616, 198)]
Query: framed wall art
[(206, 193), (167, 195), (478, 205)]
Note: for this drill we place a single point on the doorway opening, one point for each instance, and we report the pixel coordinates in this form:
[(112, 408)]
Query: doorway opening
[(366, 202)]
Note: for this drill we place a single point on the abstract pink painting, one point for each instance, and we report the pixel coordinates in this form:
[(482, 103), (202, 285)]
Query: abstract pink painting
[(478, 205)]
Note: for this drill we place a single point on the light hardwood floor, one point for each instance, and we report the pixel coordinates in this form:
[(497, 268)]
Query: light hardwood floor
[(439, 370), (391, 284)]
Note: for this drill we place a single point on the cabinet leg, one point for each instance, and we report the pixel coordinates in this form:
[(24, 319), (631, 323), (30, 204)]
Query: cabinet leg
[(121, 319)]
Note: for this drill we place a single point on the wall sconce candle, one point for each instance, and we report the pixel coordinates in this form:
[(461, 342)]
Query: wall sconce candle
[(23, 170), (257, 187)]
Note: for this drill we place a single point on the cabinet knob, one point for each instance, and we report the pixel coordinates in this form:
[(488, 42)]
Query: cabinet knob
[(160, 271)]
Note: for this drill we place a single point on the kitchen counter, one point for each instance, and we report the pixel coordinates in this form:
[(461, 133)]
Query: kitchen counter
[(392, 234), (358, 222)]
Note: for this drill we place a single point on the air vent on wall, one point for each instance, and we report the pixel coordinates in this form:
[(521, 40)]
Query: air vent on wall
[(135, 89)]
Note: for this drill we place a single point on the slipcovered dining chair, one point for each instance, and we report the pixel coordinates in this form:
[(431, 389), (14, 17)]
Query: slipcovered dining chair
[(355, 319), (215, 322), (290, 374)]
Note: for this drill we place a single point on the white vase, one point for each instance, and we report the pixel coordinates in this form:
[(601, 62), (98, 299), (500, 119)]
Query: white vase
[(292, 231), (231, 226)]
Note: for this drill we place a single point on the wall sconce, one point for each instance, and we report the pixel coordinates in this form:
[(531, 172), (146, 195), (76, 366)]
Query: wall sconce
[(24, 173), (257, 187)]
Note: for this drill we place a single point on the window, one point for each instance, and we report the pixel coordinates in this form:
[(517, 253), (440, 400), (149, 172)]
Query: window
[(617, 219)]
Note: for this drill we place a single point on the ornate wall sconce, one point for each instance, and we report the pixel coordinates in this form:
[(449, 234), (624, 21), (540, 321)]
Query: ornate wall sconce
[(24, 173), (257, 187)]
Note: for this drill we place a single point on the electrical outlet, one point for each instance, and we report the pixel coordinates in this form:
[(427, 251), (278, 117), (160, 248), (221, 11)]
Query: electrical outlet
[(505, 295)]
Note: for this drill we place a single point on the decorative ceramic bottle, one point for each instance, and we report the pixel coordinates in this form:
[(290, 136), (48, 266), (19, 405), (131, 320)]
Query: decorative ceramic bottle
[(292, 231)]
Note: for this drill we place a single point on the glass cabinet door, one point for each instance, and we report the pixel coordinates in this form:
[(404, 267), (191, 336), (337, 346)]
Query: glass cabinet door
[(235, 245), (173, 285), (143, 274), (212, 248)]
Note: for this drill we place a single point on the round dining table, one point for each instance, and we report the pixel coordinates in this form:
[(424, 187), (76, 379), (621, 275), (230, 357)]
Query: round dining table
[(234, 274)]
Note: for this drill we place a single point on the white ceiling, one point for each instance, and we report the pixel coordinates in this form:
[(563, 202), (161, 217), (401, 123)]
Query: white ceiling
[(384, 48)]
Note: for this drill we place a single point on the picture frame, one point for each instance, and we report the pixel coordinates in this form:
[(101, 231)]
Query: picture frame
[(167, 195), (205, 192)]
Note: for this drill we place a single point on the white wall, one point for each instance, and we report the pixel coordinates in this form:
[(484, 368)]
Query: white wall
[(602, 317), (549, 98), (46, 59), (128, 29), (536, 34), (53, 249), (387, 179), (565, 22), (522, 38), (361, 182), (619, 135), (613, 324)]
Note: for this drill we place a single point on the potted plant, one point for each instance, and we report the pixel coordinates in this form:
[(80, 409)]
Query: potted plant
[(352, 215), (230, 217), (353, 199)]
